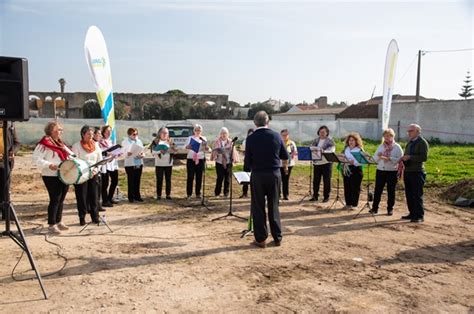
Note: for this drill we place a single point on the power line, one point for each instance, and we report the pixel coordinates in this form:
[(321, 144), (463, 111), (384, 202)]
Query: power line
[(452, 50), (408, 69)]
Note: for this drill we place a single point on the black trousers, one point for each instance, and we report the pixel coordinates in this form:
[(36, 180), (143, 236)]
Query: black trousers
[(87, 199), (414, 183), (194, 170), (390, 179), (134, 175), (160, 171), (352, 186), (57, 193), (265, 185), (285, 181), (108, 191), (245, 188), (324, 171), (223, 175)]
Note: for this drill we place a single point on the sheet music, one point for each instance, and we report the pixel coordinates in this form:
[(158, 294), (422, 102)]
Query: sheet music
[(242, 177), (136, 149)]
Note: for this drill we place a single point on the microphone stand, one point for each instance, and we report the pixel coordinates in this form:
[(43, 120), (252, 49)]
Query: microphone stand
[(230, 213)]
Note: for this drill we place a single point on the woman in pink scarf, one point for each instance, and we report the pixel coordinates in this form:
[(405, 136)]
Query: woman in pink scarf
[(388, 155), (222, 154)]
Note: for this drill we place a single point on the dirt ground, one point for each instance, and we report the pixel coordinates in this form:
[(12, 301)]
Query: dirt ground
[(166, 256)]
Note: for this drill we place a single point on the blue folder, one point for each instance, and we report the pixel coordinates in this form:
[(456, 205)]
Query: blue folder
[(304, 153), (195, 145)]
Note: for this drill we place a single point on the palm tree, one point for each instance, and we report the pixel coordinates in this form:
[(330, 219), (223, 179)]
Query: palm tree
[(62, 84)]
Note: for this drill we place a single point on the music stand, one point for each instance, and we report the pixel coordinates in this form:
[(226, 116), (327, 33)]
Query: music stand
[(365, 159), (9, 209), (304, 153), (101, 218), (340, 159), (230, 213)]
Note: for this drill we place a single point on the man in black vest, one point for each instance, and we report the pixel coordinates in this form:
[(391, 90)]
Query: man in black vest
[(265, 153), (414, 175), (14, 146)]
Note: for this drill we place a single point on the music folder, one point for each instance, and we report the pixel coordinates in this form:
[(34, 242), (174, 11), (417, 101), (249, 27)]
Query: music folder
[(333, 157)]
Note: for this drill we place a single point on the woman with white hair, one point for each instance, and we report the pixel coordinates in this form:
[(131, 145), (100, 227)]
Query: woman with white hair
[(224, 156), (197, 146), (387, 156)]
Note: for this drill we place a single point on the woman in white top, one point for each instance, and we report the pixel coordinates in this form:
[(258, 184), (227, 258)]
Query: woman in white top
[(86, 193), (387, 156), (322, 168), (225, 157), (133, 148), (293, 155), (110, 170), (195, 161), (163, 148), (353, 171), (48, 155)]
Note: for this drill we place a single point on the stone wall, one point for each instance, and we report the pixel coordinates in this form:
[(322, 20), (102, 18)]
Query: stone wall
[(75, 101), (446, 120)]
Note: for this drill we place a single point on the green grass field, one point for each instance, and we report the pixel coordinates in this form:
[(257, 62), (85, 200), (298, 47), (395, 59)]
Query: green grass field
[(446, 165)]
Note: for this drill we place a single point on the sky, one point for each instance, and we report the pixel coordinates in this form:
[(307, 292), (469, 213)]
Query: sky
[(250, 50)]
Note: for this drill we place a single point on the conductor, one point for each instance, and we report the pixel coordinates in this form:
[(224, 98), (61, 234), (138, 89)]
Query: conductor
[(263, 152)]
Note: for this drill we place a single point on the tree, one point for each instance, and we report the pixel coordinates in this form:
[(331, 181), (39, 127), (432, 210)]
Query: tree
[(254, 108), (91, 109), (119, 110), (466, 90), (152, 111), (285, 107), (175, 92), (62, 84)]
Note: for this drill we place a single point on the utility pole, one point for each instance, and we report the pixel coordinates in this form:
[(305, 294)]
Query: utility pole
[(417, 97)]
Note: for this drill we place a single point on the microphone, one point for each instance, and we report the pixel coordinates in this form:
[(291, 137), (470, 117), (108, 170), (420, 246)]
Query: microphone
[(203, 140), (235, 139)]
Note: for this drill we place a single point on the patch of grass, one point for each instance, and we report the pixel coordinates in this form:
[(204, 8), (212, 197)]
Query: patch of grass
[(446, 165)]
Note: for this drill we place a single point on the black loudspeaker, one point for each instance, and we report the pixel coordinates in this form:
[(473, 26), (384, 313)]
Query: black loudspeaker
[(14, 89)]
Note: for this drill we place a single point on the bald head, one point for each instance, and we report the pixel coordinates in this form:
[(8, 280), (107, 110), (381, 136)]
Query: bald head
[(261, 119)]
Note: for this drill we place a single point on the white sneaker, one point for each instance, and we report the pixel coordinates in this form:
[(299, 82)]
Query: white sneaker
[(53, 229), (62, 226)]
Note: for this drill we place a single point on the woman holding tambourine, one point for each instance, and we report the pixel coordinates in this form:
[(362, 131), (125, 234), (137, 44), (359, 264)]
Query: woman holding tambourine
[(86, 193), (48, 155)]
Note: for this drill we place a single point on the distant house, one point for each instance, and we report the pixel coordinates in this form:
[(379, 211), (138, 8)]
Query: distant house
[(324, 114), (319, 103), (276, 104)]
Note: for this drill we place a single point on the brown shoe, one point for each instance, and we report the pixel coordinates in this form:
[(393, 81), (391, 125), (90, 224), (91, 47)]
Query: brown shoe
[(262, 244), (277, 243)]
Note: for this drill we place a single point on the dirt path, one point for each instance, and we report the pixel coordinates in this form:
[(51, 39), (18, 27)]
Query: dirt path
[(166, 257)]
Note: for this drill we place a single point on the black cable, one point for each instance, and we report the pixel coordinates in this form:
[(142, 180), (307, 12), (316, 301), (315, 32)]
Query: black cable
[(58, 253)]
